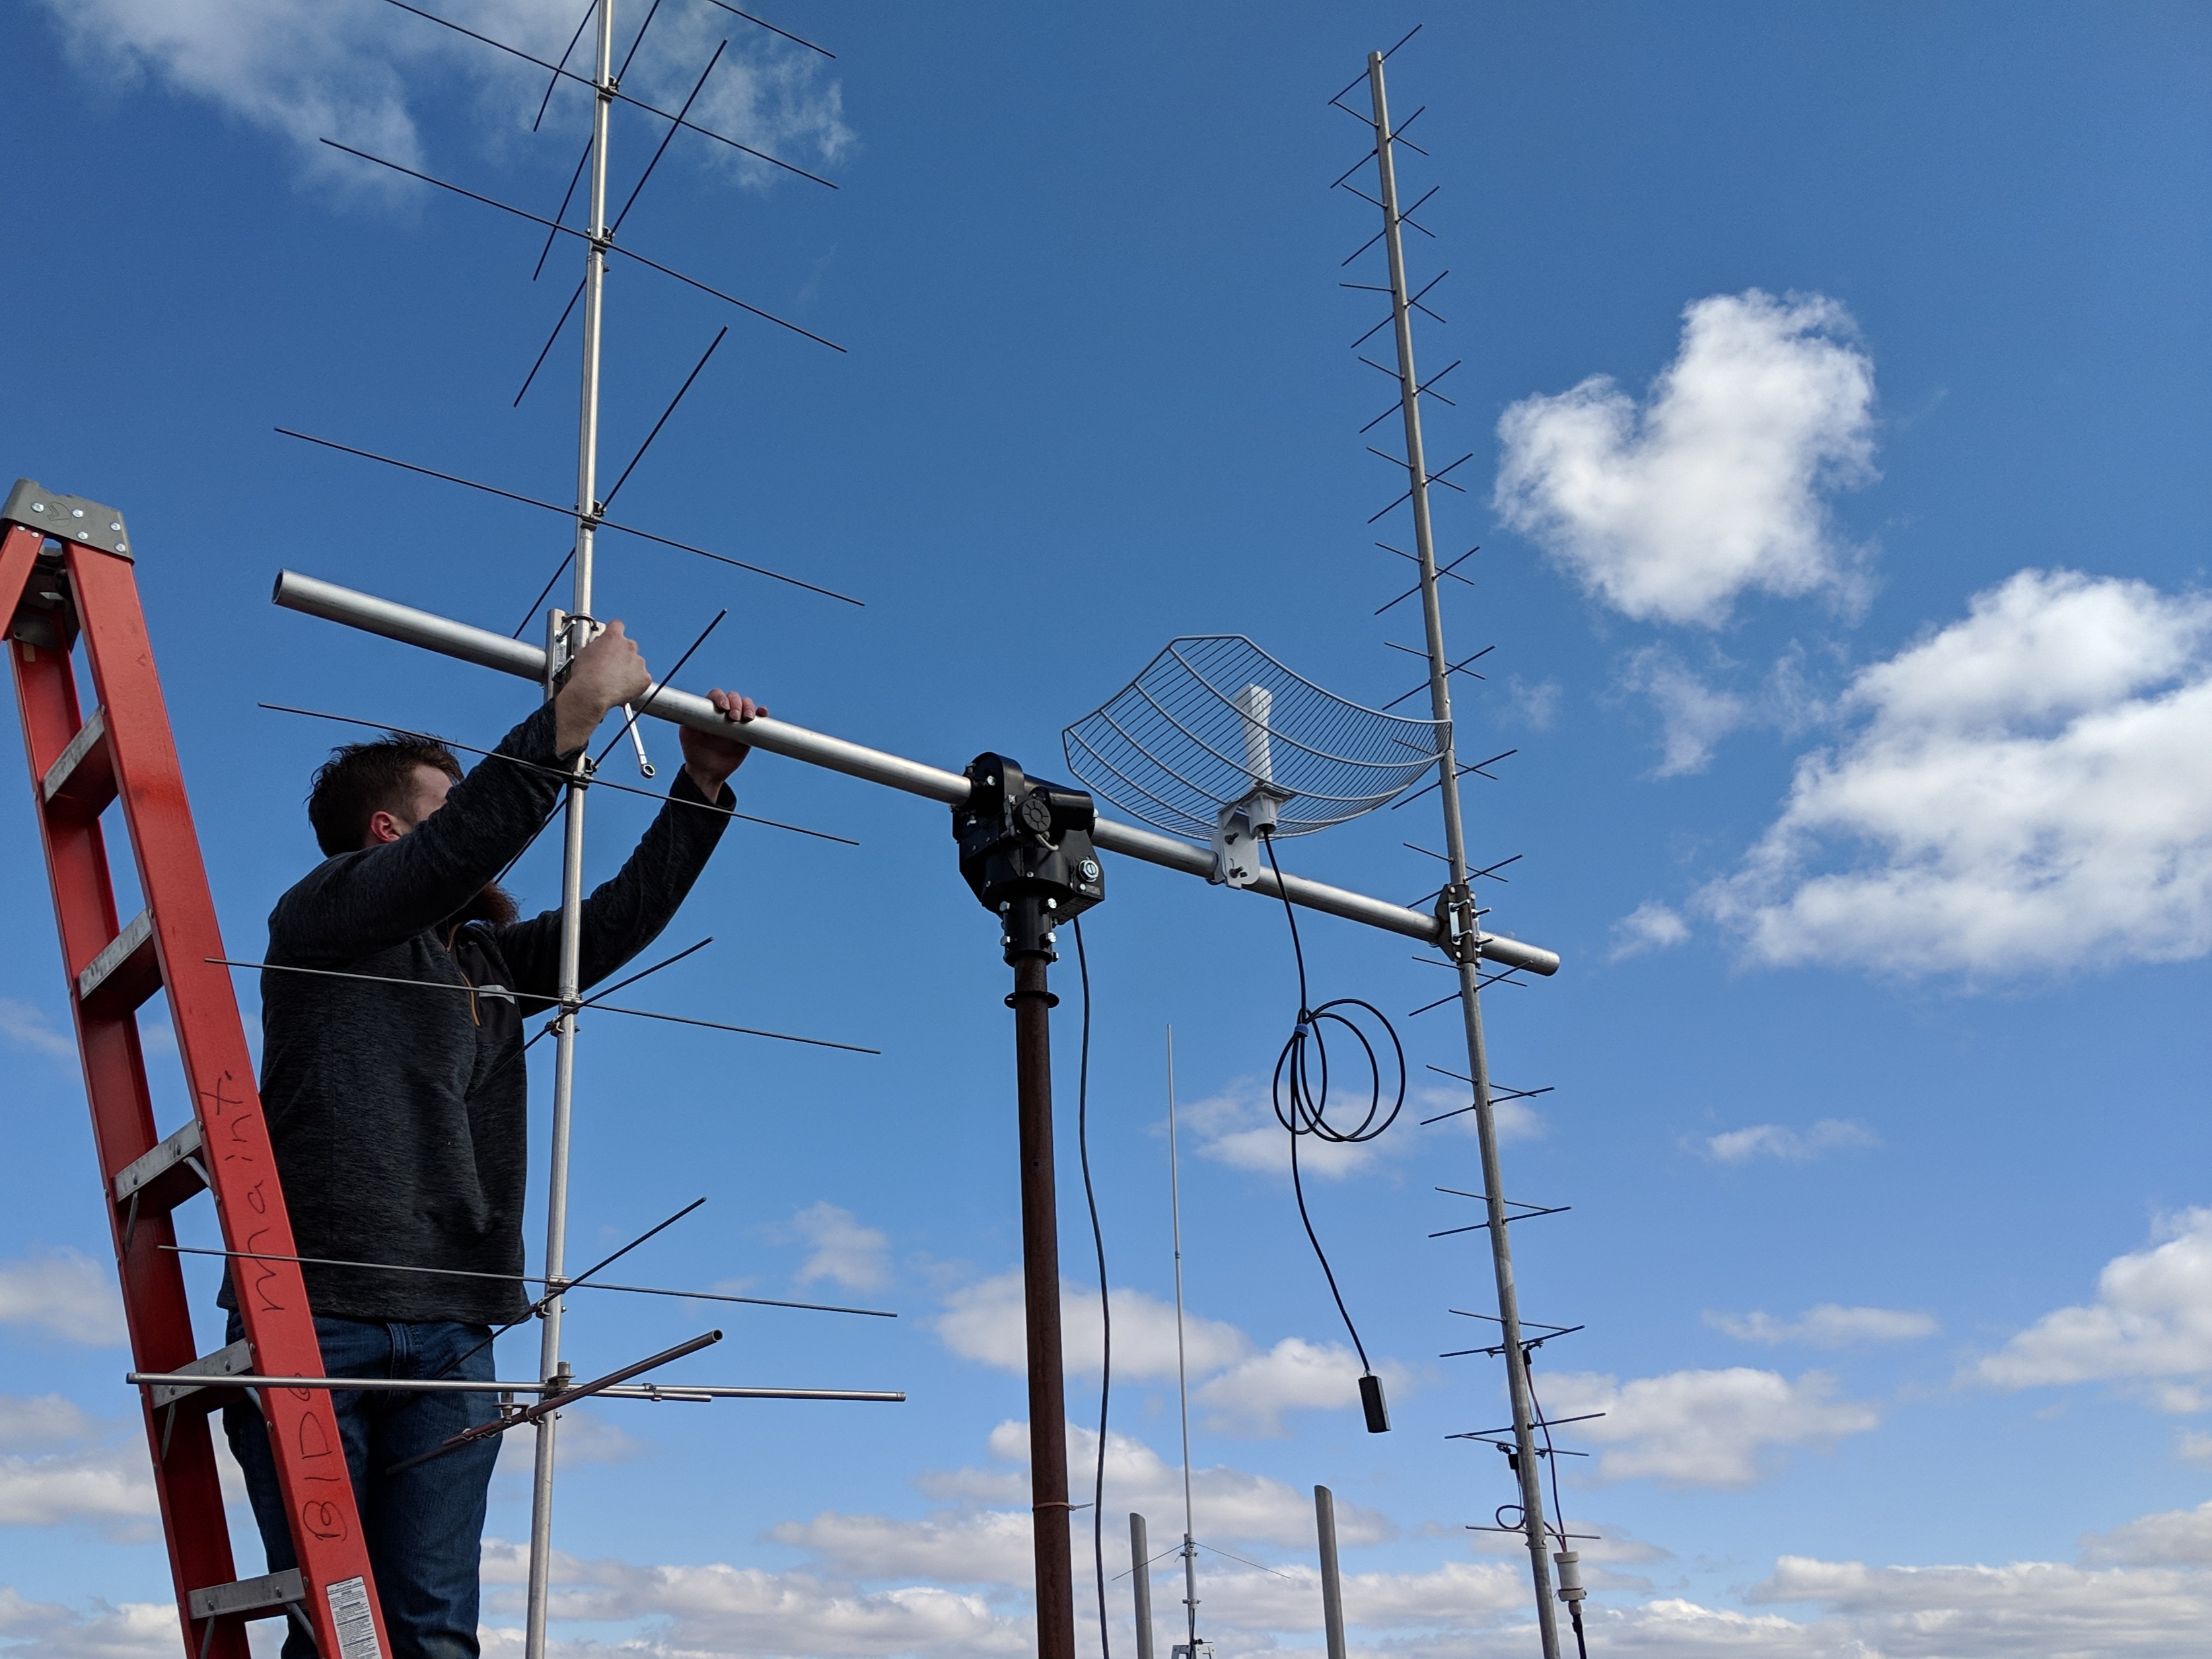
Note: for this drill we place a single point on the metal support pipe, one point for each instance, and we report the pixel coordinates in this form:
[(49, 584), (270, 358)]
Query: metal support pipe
[(1140, 1578), (1055, 1576), (1332, 1584), (687, 1393), (572, 846), (1461, 893), (316, 597)]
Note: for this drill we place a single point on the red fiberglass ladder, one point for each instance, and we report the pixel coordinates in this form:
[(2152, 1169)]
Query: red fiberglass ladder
[(65, 570)]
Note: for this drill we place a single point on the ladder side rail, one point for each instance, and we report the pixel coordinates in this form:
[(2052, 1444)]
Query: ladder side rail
[(327, 1535), (156, 1309)]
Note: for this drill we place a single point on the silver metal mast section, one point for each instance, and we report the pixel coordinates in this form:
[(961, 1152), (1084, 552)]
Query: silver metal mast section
[(1494, 1184), (572, 847), (1183, 1379), (1332, 1580), (1140, 1582)]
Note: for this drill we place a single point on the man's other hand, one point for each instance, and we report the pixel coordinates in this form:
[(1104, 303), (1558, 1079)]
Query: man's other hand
[(710, 759), (609, 672)]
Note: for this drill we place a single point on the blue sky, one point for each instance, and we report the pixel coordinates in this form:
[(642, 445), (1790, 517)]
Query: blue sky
[(1834, 378)]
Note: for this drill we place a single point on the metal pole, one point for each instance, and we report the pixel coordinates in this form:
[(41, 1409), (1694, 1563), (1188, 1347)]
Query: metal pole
[(1332, 1585), (1182, 1380), (315, 596), (1493, 1185), (1055, 1576), (550, 1366), (1140, 1554)]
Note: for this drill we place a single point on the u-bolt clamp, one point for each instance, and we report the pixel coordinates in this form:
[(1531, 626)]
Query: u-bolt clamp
[(1459, 937)]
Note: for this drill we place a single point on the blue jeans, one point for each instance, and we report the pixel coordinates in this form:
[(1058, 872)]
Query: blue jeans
[(425, 1526)]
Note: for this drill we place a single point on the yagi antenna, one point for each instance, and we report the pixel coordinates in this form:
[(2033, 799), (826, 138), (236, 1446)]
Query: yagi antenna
[(571, 629), (1456, 899)]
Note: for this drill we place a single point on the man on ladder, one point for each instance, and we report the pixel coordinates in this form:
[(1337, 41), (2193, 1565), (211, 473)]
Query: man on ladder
[(398, 1112)]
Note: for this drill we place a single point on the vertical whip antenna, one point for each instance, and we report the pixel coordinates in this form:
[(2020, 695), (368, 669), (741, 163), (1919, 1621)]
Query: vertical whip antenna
[(1183, 1377)]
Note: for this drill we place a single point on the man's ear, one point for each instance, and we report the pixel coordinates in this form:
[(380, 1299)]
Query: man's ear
[(383, 828)]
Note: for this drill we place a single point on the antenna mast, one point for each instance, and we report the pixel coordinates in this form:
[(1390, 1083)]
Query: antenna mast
[(1182, 1380), (1458, 905), (568, 634)]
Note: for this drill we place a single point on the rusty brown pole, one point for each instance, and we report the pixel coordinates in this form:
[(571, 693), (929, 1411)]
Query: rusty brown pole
[(1055, 1579)]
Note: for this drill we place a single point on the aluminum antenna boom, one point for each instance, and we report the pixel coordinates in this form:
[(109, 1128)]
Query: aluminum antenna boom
[(431, 632)]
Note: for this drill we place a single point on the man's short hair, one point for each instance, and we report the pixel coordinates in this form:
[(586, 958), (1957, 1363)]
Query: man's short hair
[(361, 780)]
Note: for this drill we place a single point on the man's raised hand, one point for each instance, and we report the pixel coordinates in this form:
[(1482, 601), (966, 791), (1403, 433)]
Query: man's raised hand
[(710, 759), (609, 672)]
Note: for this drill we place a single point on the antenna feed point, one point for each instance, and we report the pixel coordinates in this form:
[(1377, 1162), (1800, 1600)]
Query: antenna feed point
[(1026, 854)]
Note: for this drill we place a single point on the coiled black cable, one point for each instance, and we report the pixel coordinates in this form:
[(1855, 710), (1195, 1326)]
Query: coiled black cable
[(1301, 1089), (1105, 1312)]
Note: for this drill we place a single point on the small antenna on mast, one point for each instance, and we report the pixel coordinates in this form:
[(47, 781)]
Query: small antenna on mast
[(1194, 1649)]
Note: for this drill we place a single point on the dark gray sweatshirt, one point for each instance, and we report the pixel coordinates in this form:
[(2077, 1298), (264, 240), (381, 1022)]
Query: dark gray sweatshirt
[(399, 1112)]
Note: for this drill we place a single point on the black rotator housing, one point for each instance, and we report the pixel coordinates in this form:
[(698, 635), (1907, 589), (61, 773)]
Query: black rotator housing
[(1025, 851)]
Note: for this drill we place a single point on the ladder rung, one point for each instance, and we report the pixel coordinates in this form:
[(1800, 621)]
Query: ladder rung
[(127, 966), (265, 1597), (178, 1158), (236, 1360), (84, 777)]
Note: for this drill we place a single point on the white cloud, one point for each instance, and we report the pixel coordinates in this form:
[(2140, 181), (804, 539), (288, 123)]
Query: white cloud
[(986, 1321), (24, 1026), (1716, 485), (1250, 1397), (1694, 716), (1516, 1120), (2140, 1589), (2026, 792), (65, 1293), (1238, 1126), (1650, 927), (131, 1630), (2192, 1447), (1720, 1428), (2178, 1538), (1828, 1325), (2122, 1599), (1245, 1390), (952, 1546), (720, 1609), (980, 1559), (2150, 1325), (585, 1436), (41, 1422), (358, 71), (1537, 701), (845, 1252), (69, 1475), (1233, 1506), (1788, 1145), (1450, 1597), (2025, 1610)]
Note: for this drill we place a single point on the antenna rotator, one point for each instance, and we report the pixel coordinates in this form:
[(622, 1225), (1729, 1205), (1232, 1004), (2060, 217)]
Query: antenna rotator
[(1025, 852)]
